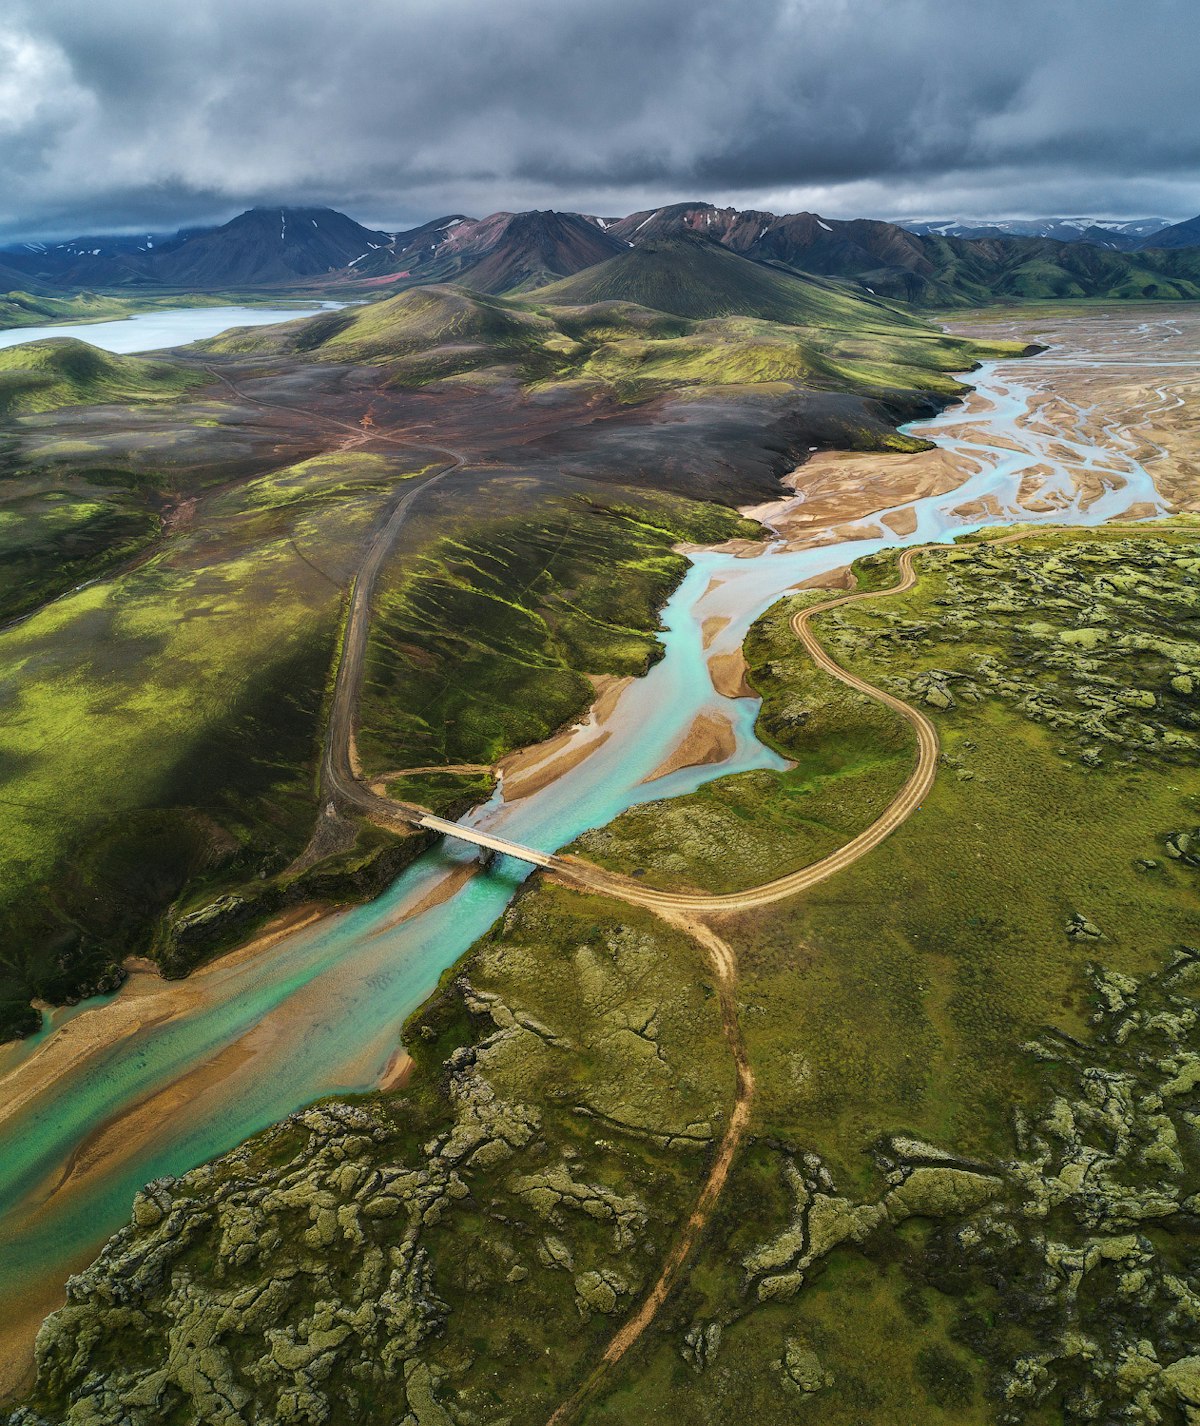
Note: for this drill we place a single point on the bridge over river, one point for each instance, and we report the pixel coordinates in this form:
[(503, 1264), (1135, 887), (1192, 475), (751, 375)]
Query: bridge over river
[(485, 839)]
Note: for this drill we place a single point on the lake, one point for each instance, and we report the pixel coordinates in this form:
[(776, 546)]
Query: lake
[(170, 327)]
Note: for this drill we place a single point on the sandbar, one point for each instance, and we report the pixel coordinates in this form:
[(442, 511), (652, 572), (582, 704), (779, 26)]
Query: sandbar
[(528, 770), (145, 1000), (712, 626), (709, 740), (728, 674)]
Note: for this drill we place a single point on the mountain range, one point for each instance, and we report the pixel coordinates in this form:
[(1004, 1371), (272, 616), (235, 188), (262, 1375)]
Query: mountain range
[(1123, 236), (928, 264)]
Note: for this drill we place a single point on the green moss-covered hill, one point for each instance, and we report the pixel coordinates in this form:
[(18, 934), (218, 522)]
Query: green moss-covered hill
[(640, 325), (693, 277), (19, 308), (44, 376)]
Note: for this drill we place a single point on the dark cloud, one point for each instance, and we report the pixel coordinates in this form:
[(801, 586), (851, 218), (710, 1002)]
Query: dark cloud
[(158, 112)]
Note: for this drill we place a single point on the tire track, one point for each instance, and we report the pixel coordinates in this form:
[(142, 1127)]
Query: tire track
[(724, 964)]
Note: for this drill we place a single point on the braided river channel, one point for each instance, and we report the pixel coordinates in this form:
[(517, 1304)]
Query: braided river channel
[(251, 1038)]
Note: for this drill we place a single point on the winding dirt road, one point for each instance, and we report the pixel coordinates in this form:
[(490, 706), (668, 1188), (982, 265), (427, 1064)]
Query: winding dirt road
[(681, 909), (338, 779), (576, 871), (337, 773), (724, 965)]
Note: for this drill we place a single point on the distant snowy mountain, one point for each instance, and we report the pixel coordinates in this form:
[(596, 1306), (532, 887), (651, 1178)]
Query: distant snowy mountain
[(949, 263), (1119, 234), (99, 260), (1178, 235), (104, 245)]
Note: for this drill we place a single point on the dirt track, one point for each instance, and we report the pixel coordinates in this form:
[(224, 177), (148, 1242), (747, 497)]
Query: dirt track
[(907, 800), (681, 908), (337, 774), (724, 965), (338, 778)]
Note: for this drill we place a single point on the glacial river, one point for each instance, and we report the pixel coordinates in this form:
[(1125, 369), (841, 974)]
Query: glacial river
[(320, 1011)]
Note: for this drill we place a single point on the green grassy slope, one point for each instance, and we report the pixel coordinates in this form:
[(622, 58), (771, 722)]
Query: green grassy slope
[(691, 277), (162, 725), (72, 508), (411, 321), (963, 273), (480, 645), (741, 324), (32, 309), (872, 357), (47, 375), (57, 532)]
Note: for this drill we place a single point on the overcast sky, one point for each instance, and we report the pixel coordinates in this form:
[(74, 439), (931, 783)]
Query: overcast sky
[(156, 113)]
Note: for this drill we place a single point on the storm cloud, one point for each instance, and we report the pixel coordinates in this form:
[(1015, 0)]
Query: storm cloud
[(155, 113)]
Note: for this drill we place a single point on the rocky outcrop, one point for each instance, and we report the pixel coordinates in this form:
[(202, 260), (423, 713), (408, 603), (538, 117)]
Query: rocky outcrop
[(800, 1367), (599, 1290), (923, 1182), (555, 1193), (700, 1344), (1091, 1255), (1072, 1265), (250, 1292), (254, 1295)]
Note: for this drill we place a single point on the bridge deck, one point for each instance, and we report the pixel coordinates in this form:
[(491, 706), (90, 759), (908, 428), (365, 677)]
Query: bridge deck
[(485, 839)]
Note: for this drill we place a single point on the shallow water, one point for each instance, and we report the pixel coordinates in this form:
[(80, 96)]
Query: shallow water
[(321, 1011), (171, 327)]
